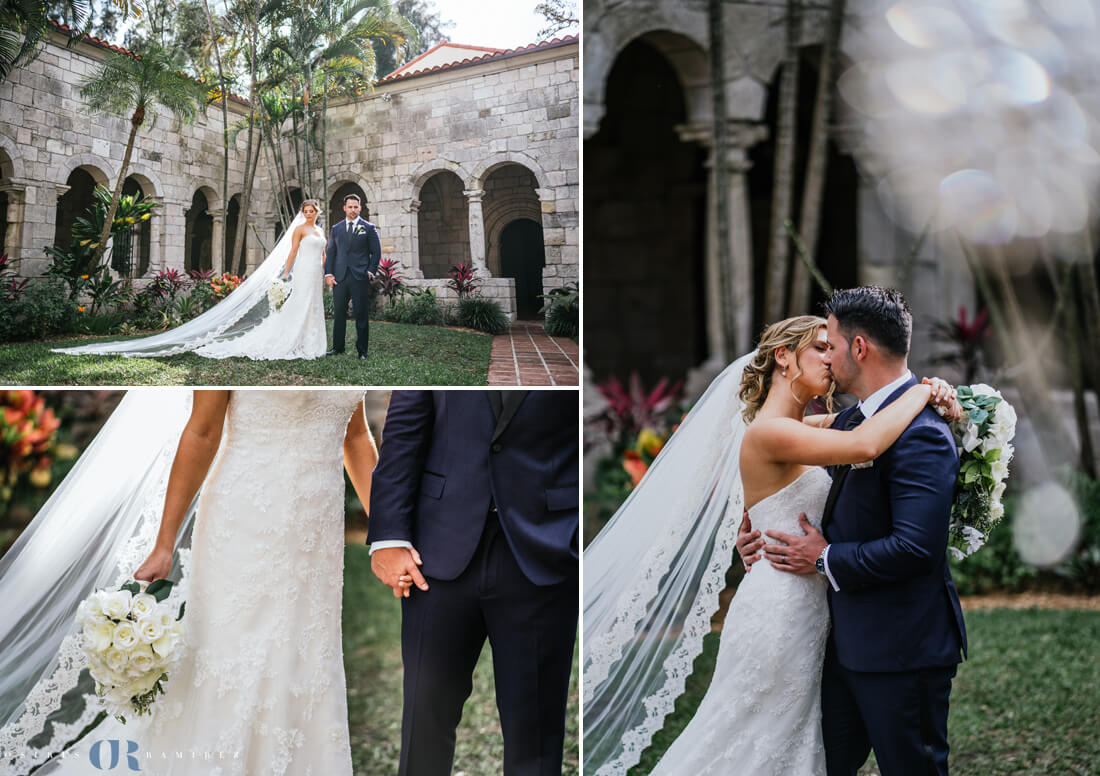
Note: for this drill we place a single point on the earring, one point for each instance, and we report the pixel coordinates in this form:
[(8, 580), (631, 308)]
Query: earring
[(784, 372)]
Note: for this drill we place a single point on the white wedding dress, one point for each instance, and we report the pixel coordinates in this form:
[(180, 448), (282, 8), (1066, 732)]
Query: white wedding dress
[(761, 715), (260, 688), (295, 330), (245, 323)]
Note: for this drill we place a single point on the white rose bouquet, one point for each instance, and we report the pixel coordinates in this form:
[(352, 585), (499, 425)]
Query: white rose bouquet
[(131, 637), (983, 435), (277, 293)]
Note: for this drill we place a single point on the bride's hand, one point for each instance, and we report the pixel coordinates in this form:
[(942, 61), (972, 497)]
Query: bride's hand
[(945, 396), (156, 566)]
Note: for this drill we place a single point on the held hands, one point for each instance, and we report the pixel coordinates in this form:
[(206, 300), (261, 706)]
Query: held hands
[(397, 568), (156, 566), (944, 396), (796, 554), (330, 281)]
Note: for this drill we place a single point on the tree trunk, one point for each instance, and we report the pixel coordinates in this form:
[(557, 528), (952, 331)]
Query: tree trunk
[(135, 123), (225, 112), (246, 206), (813, 189), (307, 184), (786, 139), (250, 165), (324, 141)]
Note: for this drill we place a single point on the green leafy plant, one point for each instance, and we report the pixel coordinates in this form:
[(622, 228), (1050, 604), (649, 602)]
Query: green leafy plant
[(44, 309), (422, 309), (105, 291), (562, 311), (483, 315)]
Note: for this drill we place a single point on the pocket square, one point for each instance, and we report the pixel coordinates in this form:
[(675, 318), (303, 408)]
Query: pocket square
[(864, 465)]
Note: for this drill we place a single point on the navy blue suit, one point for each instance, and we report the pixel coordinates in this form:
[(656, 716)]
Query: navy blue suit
[(351, 258), (486, 488), (897, 625)]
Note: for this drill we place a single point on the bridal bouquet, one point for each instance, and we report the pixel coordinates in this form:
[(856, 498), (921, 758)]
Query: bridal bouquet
[(277, 293), (983, 435), (131, 638)]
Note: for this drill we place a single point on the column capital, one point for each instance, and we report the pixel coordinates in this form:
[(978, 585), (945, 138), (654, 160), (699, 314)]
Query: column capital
[(62, 189), (413, 206), (474, 195)]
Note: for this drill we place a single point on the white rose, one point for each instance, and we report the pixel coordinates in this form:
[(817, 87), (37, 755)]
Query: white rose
[(126, 635), (90, 610), (143, 605), (115, 659), (970, 438), (991, 442), (996, 510), (150, 629), (143, 660), (98, 635), (119, 696), (165, 646), (981, 389), (116, 604), (1000, 470)]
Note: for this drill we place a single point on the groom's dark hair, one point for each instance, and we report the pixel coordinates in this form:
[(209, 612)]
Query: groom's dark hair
[(880, 314), (352, 196)]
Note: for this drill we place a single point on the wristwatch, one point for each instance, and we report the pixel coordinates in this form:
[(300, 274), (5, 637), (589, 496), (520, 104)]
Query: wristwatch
[(819, 564)]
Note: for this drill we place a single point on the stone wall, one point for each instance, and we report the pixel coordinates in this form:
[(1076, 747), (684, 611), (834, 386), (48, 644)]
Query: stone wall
[(516, 110)]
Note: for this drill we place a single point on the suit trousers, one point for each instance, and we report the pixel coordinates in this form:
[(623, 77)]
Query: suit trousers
[(358, 291), (902, 715), (531, 631)]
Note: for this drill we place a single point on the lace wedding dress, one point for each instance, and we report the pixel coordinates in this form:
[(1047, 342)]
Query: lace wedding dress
[(260, 688), (295, 330), (245, 323), (761, 714)]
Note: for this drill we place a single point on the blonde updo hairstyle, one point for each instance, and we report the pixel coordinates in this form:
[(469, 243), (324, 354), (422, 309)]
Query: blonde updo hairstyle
[(796, 334)]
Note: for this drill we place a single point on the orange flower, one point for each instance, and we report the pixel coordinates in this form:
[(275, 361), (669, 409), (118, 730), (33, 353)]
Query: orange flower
[(80, 309), (636, 469)]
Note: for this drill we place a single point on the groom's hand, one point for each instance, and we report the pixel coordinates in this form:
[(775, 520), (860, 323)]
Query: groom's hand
[(397, 567), (796, 554), (748, 542), (330, 281)]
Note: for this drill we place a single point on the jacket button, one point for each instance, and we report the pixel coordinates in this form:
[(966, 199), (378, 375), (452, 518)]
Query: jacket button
[(496, 448)]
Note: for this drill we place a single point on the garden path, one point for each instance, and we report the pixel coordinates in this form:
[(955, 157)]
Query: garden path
[(527, 355)]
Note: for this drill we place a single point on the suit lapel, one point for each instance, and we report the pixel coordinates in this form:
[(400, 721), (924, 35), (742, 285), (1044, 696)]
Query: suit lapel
[(509, 407)]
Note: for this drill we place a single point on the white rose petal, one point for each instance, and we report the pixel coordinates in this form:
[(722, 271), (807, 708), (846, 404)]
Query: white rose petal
[(970, 438), (143, 605), (165, 646), (98, 635), (116, 603), (143, 660), (115, 659), (126, 635), (150, 629)]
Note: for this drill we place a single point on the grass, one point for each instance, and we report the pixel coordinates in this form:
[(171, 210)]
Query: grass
[(399, 354), (372, 660), (1026, 702)]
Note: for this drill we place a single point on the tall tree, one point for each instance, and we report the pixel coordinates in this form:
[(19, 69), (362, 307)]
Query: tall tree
[(560, 16), (430, 27), (136, 85), (24, 23)]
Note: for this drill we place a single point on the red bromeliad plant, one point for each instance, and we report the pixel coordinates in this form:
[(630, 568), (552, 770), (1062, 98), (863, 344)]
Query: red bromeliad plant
[(11, 288), (387, 280), (27, 436), (201, 275), (629, 410), (463, 279)]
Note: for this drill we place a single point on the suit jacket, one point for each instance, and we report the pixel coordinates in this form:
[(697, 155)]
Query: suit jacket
[(357, 253), (445, 459), (897, 608)]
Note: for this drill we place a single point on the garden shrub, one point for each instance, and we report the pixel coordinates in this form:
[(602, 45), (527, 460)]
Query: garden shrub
[(483, 315), (43, 309), (421, 309)]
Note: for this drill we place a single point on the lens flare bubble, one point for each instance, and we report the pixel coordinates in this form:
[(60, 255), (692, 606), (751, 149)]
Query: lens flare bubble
[(1047, 525), (1075, 14), (927, 26), (926, 87), (975, 203)]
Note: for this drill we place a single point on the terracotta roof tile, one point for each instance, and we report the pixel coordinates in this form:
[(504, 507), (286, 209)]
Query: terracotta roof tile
[(402, 73)]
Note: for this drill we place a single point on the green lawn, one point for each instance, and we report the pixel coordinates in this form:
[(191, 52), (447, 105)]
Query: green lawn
[(400, 354), (372, 659), (1026, 702)]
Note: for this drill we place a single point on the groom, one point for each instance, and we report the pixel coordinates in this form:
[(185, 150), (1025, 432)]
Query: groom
[(351, 259), (897, 627), (475, 503)]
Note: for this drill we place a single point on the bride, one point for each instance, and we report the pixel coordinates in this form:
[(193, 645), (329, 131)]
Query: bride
[(246, 322), (653, 575), (248, 487)]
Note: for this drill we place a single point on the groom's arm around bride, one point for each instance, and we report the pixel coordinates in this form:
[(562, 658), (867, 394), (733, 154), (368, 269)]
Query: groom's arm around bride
[(474, 524)]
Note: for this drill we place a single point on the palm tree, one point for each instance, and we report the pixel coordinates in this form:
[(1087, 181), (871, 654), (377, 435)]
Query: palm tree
[(23, 25), (134, 85)]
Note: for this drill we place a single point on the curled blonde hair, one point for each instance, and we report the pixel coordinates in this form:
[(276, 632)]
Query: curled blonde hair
[(797, 334), (314, 203)]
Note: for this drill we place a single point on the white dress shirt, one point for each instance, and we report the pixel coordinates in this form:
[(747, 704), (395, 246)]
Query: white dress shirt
[(869, 407)]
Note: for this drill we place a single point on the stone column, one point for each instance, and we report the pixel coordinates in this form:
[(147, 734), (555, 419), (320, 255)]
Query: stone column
[(13, 236), (413, 214), (477, 230), (217, 244), (742, 136)]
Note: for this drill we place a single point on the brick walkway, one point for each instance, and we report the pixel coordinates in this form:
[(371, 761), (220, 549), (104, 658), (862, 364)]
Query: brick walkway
[(526, 355)]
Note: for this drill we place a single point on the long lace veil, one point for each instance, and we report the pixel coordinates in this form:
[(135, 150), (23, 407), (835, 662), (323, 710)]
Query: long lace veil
[(244, 309), (94, 531), (652, 578)]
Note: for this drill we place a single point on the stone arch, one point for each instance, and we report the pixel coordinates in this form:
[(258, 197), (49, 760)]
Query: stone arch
[(199, 231), (150, 182), (232, 224), (511, 192), (486, 168), (132, 251), (430, 168), (335, 203), (676, 33), (75, 196), (370, 191), (12, 166), (99, 168), (442, 223), (210, 190)]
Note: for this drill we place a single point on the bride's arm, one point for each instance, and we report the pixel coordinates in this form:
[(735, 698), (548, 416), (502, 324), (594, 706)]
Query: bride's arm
[(197, 448), (295, 239), (792, 441), (360, 455)]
